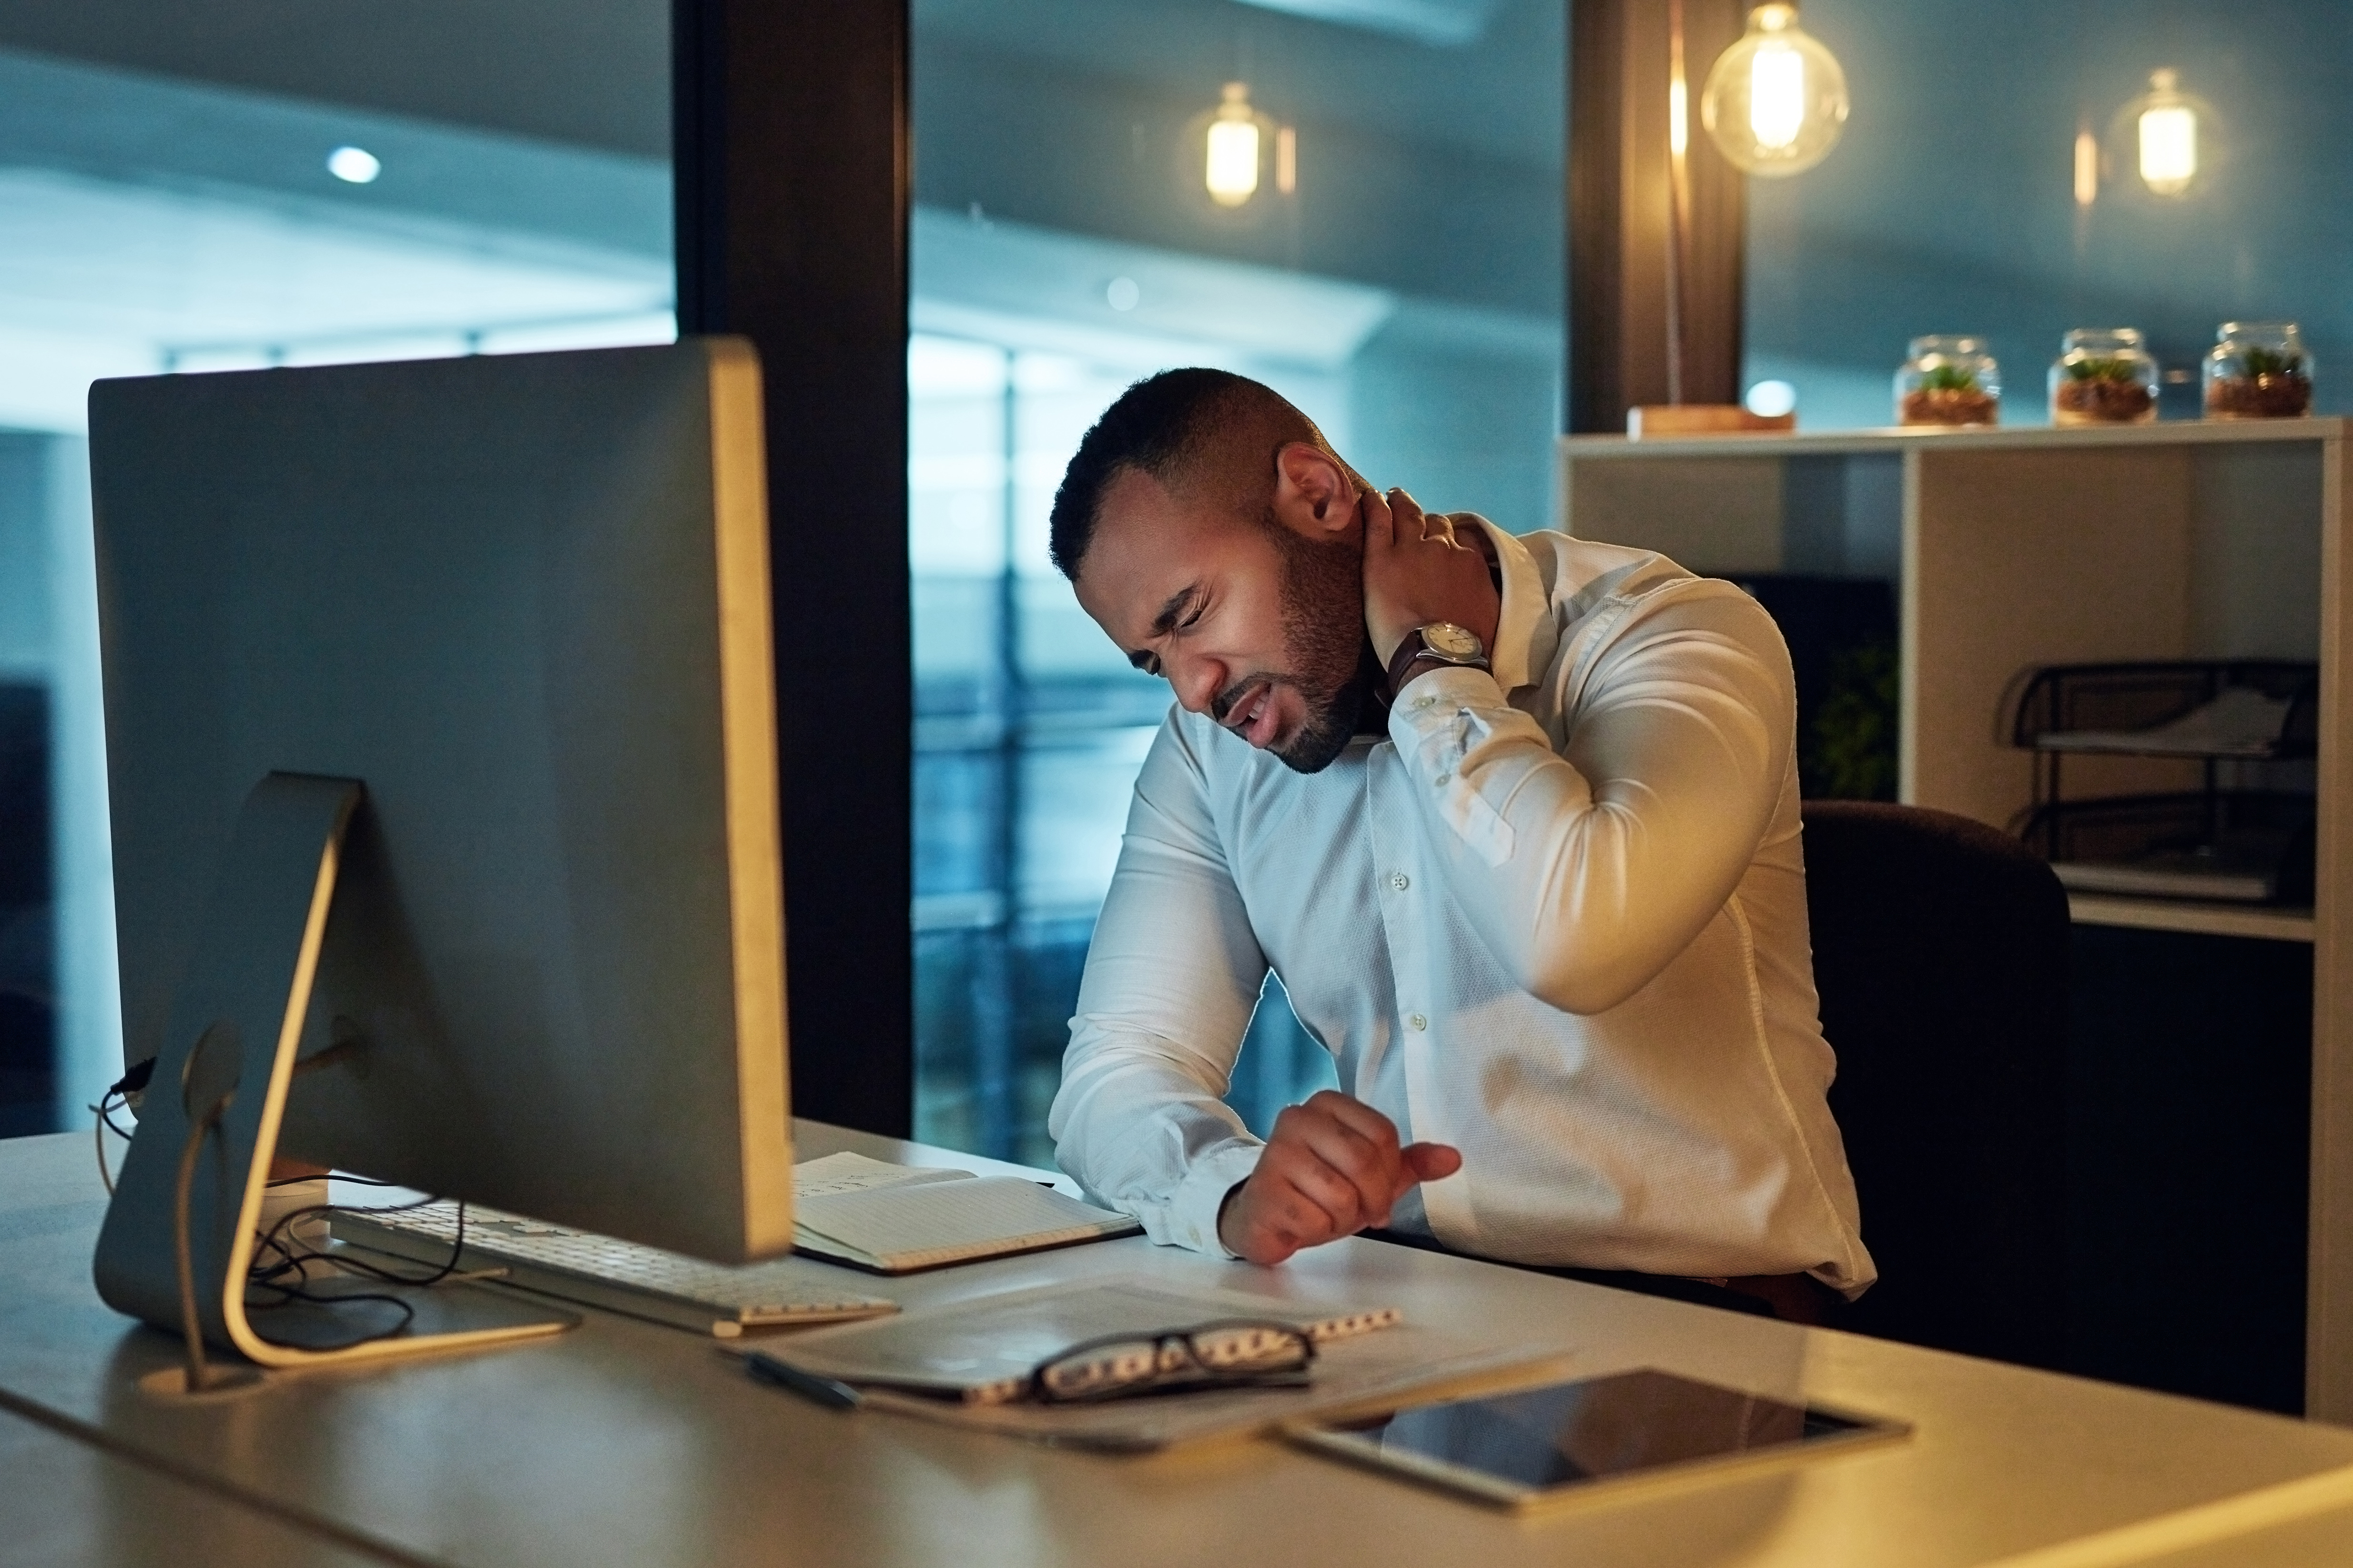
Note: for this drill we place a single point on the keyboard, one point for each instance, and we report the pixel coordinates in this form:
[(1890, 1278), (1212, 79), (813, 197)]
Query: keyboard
[(619, 1275)]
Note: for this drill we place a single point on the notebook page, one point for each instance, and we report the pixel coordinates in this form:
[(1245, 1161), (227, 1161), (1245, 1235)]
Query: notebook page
[(910, 1227), (852, 1173)]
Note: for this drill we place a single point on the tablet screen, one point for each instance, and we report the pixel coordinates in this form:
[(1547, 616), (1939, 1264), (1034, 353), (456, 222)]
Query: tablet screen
[(1600, 1429)]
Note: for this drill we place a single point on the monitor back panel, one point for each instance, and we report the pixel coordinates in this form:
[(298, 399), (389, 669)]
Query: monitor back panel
[(525, 600)]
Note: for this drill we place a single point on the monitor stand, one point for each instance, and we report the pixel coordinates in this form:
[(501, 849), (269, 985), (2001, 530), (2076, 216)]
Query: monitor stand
[(179, 1235)]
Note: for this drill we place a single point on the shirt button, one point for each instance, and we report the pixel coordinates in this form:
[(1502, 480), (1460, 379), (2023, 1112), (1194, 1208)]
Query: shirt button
[(1424, 701), (1444, 778), (1400, 882), (1416, 1022)]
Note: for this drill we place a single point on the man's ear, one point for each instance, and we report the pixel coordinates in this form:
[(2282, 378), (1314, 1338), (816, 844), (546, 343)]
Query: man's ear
[(1313, 494)]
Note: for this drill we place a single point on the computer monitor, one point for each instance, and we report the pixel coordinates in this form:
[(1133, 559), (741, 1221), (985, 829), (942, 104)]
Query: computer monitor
[(507, 617)]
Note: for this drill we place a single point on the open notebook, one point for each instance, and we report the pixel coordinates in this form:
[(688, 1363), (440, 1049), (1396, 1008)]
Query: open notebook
[(896, 1219)]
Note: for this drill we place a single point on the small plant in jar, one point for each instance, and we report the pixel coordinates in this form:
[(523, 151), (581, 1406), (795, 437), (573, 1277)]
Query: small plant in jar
[(2258, 370), (1949, 394), (2103, 377)]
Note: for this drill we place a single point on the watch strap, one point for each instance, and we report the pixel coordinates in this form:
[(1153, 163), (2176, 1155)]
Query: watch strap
[(1416, 646)]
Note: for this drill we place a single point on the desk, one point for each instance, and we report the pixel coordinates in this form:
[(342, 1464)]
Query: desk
[(630, 1444)]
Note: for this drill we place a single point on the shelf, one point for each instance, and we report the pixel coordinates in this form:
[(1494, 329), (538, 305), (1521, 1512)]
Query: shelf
[(1980, 439), (2263, 920)]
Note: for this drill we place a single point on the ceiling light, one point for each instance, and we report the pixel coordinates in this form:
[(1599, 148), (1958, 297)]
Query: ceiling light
[(1122, 294), (2168, 127), (1776, 101), (354, 165), (1233, 139)]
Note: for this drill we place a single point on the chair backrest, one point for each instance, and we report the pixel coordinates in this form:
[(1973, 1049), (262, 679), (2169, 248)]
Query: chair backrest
[(1940, 955)]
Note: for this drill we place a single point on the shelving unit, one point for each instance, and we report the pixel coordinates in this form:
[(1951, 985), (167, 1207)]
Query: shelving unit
[(2013, 548)]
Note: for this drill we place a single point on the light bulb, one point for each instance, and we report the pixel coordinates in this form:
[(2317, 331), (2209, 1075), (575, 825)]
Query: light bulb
[(1232, 173), (1777, 96), (2169, 137), (1776, 101), (354, 165)]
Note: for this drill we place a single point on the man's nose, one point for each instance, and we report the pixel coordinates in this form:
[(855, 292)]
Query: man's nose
[(1196, 682)]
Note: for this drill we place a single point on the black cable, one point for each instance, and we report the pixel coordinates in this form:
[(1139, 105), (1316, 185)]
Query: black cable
[(271, 1275), (288, 1294)]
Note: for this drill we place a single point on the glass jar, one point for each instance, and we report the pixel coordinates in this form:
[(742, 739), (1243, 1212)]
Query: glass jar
[(1949, 380), (2104, 375), (2258, 370)]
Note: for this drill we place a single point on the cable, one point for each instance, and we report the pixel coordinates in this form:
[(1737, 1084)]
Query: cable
[(131, 1082), (279, 1240)]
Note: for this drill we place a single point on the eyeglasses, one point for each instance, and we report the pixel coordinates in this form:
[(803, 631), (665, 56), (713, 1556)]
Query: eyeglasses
[(1229, 1353)]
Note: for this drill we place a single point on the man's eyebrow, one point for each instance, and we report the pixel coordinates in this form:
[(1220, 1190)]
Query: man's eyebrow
[(1143, 658), (1165, 621)]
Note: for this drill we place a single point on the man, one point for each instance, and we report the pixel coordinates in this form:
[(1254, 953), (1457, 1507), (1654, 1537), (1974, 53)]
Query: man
[(1516, 820)]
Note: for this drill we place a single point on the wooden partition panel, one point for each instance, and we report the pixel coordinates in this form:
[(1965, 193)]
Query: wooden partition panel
[(1718, 517), (2019, 558), (2328, 1281)]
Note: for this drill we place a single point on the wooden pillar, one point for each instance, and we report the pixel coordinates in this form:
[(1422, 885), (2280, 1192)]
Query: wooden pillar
[(790, 138), (1622, 260)]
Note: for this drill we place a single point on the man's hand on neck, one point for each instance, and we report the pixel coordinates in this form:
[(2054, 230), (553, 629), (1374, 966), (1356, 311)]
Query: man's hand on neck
[(1332, 1169), (1417, 572)]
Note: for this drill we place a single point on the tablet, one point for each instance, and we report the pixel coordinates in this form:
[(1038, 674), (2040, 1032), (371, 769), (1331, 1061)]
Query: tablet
[(1602, 1436)]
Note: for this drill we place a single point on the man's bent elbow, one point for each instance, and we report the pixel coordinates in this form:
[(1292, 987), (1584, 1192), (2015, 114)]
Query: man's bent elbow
[(1583, 983)]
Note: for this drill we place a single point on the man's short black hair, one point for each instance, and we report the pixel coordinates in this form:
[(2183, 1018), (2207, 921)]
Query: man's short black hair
[(1161, 425)]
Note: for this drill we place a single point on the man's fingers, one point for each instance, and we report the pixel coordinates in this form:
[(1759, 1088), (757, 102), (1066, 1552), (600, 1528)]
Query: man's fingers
[(1380, 528), (1410, 525), (1349, 1176), (1356, 1116), (1431, 1162), (1339, 1200), (1298, 1205), (1362, 1154)]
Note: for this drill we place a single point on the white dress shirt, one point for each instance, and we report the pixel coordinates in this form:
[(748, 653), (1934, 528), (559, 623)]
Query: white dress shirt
[(1556, 918)]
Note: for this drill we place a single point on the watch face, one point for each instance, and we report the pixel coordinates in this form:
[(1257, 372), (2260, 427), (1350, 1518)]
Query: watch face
[(1453, 641)]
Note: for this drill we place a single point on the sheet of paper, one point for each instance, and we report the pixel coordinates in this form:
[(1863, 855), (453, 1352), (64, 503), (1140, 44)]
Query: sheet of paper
[(986, 1347), (996, 1340), (850, 1173), (937, 1221)]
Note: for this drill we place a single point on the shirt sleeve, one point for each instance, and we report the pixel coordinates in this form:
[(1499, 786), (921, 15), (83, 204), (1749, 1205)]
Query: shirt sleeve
[(1172, 976), (1587, 870)]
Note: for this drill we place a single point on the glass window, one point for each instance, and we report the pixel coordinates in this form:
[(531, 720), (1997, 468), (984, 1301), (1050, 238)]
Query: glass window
[(180, 195), (1383, 247)]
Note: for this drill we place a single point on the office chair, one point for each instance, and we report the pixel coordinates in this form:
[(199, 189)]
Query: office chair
[(1940, 955)]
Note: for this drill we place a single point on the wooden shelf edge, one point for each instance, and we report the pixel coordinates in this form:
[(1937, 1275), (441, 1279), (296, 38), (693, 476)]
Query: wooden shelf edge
[(1993, 437), (2204, 919)]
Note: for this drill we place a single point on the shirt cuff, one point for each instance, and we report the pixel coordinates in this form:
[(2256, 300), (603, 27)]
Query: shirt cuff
[(1429, 700), (1193, 1208)]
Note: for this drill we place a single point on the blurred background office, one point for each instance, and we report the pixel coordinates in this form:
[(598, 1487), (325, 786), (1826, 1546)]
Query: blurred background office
[(289, 181)]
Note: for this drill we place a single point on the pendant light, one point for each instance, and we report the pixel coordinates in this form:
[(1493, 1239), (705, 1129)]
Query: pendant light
[(2165, 135), (1775, 101), (1234, 145)]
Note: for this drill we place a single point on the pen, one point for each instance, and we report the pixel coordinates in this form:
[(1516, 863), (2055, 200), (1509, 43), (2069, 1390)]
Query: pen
[(810, 1386)]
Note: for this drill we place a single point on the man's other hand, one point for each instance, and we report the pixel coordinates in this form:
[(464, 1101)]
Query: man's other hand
[(1417, 572), (1332, 1169)]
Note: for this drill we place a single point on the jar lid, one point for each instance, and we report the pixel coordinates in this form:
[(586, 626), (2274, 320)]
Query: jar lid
[(2122, 337), (1947, 343)]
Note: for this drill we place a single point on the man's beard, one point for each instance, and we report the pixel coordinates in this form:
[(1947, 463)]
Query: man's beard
[(1332, 664)]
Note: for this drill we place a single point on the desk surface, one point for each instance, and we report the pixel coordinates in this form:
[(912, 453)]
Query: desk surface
[(627, 1443)]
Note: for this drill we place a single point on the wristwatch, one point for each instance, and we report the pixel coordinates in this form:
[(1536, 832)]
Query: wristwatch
[(1442, 642)]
